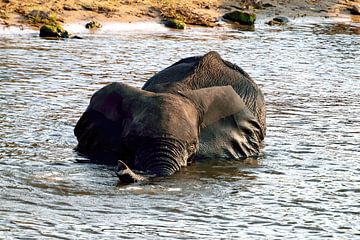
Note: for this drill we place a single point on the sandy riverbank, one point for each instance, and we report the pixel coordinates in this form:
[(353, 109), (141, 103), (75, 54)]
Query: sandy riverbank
[(198, 12)]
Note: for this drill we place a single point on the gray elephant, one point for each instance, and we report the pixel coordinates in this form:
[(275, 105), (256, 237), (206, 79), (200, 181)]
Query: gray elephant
[(199, 107)]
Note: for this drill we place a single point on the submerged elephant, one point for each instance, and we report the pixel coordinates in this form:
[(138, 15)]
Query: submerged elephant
[(199, 107)]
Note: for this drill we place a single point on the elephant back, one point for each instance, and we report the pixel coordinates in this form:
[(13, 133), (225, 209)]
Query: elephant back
[(206, 71)]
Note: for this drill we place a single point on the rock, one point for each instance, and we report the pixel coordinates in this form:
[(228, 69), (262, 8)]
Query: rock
[(355, 10), (241, 17), (173, 23), (268, 5), (272, 23), (278, 21), (93, 25), (67, 7), (5, 23), (53, 31), (76, 37), (281, 19), (88, 7), (3, 14)]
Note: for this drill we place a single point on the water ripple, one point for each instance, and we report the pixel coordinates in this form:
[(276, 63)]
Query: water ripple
[(306, 185)]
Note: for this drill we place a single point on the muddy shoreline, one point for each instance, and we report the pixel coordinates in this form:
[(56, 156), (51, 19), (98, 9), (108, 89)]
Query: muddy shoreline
[(194, 12)]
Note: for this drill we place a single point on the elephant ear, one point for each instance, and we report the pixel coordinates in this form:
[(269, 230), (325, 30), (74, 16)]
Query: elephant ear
[(215, 103), (113, 100), (99, 129)]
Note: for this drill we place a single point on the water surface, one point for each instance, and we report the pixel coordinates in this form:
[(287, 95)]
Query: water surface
[(306, 185)]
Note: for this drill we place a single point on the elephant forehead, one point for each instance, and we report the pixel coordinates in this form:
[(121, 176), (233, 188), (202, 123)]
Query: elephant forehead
[(175, 110), (166, 116)]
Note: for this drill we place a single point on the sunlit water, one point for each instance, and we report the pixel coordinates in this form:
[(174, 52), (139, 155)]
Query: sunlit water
[(307, 184)]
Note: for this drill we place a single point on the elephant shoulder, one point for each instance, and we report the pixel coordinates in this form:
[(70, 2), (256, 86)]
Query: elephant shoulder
[(172, 74), (192, 60), (215, 71), (212, 70), (236, 68)]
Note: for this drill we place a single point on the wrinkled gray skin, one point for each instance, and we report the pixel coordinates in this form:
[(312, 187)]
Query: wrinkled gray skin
[(199, 107)]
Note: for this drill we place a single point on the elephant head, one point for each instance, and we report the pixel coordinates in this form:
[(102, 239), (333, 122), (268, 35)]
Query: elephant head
[(157, 133)]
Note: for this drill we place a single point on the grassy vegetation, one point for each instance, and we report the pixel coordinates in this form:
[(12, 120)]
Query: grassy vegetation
[(37, 18)]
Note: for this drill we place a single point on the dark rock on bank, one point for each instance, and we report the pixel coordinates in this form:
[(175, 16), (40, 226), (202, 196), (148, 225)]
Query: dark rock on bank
[(278, 21), (93, 25), (268, 5), (281, 19), (241, 17), (355, 10), (53, 31), (173, 23), (67, 7), (76, 37)]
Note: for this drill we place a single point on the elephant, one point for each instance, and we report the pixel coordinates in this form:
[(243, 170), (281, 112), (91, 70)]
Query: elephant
[(200, 107)]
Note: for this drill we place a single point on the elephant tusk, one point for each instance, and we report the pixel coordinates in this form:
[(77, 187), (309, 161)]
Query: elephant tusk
[(126, 175)]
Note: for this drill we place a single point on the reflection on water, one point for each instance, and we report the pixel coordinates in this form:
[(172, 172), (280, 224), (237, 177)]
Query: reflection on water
[(305, 186)]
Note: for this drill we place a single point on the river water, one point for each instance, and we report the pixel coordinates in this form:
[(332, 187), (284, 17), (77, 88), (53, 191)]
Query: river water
[(305, 186)]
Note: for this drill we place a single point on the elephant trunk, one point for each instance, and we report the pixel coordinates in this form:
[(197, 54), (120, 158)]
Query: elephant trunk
[(162, 166), (161, 157), (158, 157)]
